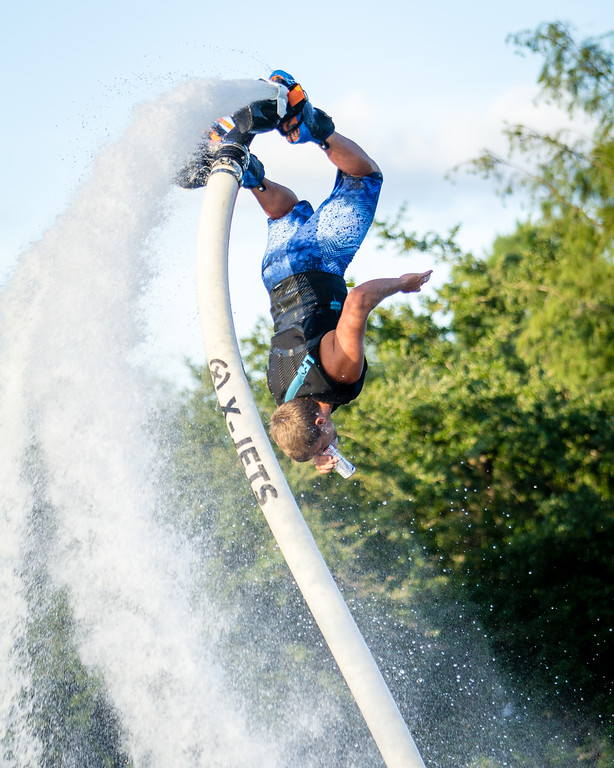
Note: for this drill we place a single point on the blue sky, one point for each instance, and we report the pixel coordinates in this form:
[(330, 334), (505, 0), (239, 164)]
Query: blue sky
[(423, 86)]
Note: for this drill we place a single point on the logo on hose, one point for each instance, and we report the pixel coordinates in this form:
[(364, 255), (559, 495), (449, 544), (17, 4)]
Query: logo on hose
[(245, 447), (217, 374)]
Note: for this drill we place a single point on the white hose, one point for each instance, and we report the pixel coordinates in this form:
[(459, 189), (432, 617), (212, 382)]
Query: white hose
[(271, 489)]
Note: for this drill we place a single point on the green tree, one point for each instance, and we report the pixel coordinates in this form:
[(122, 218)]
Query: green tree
[(479, 480), (559, 270), (521, 422), (485, 445)]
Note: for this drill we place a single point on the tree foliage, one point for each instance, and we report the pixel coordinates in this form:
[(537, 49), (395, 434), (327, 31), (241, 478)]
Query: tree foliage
[(561, 264), (485, 445)]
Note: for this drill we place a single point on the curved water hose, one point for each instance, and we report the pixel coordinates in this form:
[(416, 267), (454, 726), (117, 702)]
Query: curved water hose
[(269, 484)]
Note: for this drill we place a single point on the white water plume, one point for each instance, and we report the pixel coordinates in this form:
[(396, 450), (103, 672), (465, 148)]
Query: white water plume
[(70, 390)]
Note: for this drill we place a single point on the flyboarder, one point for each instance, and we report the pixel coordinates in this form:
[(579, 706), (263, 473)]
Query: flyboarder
[(317, 358)]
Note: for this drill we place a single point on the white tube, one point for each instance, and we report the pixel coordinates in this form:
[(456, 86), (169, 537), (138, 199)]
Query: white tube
[(271, 489)]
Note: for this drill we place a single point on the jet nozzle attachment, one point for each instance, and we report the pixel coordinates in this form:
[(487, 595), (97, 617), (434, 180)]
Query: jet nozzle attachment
[(231, 158)]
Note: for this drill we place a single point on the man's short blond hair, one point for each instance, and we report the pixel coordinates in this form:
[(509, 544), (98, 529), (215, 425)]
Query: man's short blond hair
[(294, 428)]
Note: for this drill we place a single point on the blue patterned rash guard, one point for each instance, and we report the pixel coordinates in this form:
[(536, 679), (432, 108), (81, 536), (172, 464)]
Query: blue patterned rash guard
[(304, 264)]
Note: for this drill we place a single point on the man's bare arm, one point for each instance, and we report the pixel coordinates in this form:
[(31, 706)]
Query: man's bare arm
[(348, 157), (342, 351), (276, 200)]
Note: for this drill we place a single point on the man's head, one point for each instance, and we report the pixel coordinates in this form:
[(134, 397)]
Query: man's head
[(302, 428)]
